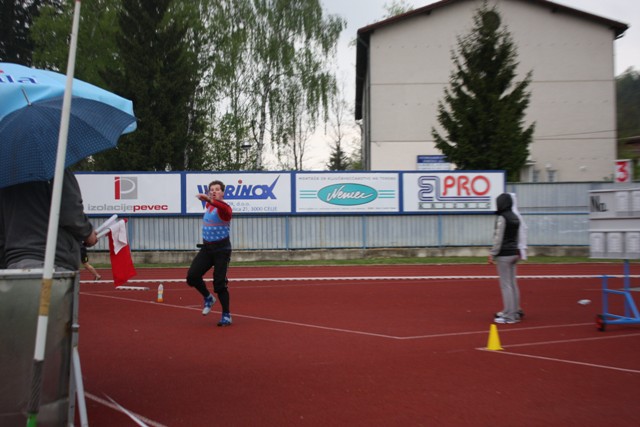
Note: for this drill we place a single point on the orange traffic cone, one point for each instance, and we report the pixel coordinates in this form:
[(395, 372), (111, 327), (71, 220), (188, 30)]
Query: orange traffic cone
[(494, 339)]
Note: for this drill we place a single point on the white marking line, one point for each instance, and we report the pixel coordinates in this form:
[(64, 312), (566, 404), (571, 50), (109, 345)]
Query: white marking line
[(162, 304), (138, 419), (531, 328), (571, 362), (250, 317), (128, 413), (284, 279), (370, 278), (348, 331), (572, 340), (326, 328)]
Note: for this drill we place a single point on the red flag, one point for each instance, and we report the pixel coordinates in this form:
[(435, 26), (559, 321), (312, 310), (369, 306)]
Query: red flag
[(120, 254)]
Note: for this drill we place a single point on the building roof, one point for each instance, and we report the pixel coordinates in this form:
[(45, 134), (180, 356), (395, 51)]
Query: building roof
[(364, 34)]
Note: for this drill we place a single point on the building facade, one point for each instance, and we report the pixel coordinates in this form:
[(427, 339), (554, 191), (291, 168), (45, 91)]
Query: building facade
[(404, 63)]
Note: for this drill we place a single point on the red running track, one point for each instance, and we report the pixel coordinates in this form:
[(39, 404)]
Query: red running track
[(359, 346)]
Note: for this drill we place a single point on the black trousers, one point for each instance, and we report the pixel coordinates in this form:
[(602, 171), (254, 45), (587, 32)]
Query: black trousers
[(218, 256)]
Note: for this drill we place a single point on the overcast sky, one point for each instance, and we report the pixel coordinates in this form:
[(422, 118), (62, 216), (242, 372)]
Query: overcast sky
[(360, 13)]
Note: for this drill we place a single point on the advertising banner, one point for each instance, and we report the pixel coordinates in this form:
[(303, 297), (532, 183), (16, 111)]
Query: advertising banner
[(347, 192), (174, 193), (447, 192), (130, 194), (253, 193)]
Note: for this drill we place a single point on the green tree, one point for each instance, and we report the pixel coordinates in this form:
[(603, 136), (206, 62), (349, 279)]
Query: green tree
[(96, 52), (339, 159), (226, 105), (233, 76), (396, 8), (16, 20), (628, 119), (269, 63), (159, 72), (96, 39), (355, 159), (628, 103), (483, 109)]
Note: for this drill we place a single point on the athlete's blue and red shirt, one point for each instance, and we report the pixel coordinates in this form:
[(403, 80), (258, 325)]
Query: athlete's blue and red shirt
[(216, 222)]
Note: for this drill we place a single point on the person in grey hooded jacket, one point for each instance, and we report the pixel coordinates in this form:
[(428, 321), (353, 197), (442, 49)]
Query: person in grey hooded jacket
[(509, 246), (24, 219)]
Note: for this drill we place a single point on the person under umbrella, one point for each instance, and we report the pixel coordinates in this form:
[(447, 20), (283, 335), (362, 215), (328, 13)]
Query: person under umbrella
[(24, 217)]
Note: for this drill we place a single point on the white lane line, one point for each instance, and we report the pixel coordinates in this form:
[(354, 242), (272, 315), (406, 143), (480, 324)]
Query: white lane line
[(137, 418), (326, 328), (348, 331), (571, 362), (518, 329), (249, 317), (572, 340), (371, 278)]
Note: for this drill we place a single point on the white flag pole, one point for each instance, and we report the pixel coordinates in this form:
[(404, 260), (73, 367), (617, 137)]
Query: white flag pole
[(103, 229), (52, 233)]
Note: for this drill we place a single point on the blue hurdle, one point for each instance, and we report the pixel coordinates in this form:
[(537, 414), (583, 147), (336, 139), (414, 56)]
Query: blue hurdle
[(631, 315)]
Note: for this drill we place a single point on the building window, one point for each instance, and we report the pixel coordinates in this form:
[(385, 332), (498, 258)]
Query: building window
[(551, 175), (535, 175)]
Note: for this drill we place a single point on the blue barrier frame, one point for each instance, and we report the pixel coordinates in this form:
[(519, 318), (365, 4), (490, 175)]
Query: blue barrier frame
[(631, 315)]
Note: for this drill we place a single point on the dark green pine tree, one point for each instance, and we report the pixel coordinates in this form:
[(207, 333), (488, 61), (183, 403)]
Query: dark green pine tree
[(483, 109), (628, 107), (628, 104), (16, 18), (159, 73), (338, 160)]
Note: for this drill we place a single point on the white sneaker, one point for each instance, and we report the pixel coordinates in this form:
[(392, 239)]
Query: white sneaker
[(504, 320), (208, 302), (501, 314)]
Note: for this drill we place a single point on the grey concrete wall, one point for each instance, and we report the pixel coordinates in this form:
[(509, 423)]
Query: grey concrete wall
[(185, 257)]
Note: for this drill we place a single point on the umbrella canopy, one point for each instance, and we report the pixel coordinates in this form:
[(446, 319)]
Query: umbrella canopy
[(29, 137), (12, 80), (20, 85), (30, 119)]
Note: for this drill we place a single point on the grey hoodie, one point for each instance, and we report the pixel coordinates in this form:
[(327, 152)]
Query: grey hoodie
[(24, 219)]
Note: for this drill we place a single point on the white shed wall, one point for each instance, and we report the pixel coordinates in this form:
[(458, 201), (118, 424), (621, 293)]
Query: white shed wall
[(573, 87)]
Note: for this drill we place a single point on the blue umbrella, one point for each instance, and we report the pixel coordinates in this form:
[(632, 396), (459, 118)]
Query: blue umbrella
[(20, 86), (29, 137), (35, 86), (30, 119)]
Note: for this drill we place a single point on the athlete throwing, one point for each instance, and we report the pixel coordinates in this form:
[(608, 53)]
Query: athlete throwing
[(215, 251)]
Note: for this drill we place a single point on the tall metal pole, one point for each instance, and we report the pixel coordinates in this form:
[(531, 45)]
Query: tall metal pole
[(52, 234)]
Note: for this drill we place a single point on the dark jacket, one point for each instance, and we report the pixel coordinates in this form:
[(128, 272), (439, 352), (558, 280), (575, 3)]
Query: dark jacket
[(24, 219), (505, 237)]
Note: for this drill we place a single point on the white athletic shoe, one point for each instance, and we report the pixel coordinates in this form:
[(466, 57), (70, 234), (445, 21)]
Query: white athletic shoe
[(504, 320), (208, 302), (501, 314)]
